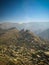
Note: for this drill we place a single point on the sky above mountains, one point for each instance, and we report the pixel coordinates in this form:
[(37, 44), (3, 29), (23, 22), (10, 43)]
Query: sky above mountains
[(24, 10)]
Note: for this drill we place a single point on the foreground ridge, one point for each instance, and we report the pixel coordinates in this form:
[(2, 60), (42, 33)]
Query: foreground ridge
[(23, 48)]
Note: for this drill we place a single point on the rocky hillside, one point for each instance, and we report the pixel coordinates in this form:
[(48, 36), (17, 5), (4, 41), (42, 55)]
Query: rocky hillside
[(23, 48)]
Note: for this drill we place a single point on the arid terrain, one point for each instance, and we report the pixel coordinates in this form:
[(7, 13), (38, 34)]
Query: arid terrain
[(23, 48)]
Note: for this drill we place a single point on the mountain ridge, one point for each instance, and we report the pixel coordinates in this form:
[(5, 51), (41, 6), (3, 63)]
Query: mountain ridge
[(23, 48), (35, 27), (44, 34)]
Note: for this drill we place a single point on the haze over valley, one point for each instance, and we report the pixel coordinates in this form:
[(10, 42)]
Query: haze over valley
[(24, 32)]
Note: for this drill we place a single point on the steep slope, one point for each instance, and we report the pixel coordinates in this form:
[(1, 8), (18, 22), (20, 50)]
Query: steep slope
[(10, 36), (21, 38), (23, 48), (44, 34)]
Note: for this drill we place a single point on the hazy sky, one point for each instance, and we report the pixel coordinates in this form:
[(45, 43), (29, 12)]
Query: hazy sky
[(24, 10)]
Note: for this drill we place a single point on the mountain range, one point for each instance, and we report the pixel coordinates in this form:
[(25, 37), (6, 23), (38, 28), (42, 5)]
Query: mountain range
[(44, 34), (23, 47), (37, 27)]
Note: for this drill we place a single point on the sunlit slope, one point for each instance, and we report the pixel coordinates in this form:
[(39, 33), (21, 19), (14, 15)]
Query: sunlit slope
[(10, 36), (23, 48)]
